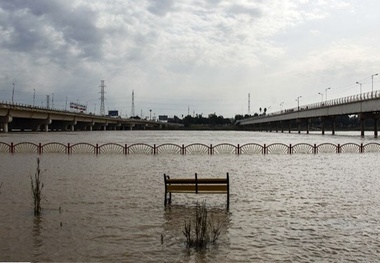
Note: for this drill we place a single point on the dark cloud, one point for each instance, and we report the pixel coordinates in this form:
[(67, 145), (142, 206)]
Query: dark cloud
[(54, 26), (160, 7), (243, 10)]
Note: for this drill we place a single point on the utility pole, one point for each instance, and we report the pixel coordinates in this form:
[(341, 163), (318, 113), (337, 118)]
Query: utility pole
[(133, 104), (249, 103), (13, 92), (102, 86), (47, 101)]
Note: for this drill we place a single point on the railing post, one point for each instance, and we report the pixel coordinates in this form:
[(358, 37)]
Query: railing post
[(154, 149), (12, 148), (97, 149), (265, 149), (361, 148), (210, 150), (238, 149), (125, 149), (39, 148), (315, 149), (196, 183), (290, 148), (338, 149), (183, 149), (68, 149)]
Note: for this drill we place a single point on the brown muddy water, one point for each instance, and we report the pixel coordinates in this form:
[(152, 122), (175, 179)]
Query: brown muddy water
[(283, 208)]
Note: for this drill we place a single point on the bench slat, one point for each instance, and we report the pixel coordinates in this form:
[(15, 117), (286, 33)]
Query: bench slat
[(200, 181), (201, 188)]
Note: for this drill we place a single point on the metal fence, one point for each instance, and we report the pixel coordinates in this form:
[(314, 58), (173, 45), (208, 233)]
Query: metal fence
[(195, 148)]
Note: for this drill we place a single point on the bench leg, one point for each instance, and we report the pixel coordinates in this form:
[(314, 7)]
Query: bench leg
[(168, 198)]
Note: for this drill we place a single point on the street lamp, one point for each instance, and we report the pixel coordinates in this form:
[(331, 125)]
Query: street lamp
[(321, 96), (326, 91), (372, 79), (298, 102), (13, 92), (34, 96), (150, 114), (281, 105), (52, 100), (359, 83)]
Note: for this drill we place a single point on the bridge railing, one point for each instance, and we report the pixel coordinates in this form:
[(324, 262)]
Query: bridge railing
[(191, 149), (334, 102)]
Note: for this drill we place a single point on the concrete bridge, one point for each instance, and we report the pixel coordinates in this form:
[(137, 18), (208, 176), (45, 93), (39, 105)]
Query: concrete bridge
[(365, 105), (25, 117)]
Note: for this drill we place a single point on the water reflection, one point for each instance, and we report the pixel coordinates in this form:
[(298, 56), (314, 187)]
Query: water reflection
[(38, 243)]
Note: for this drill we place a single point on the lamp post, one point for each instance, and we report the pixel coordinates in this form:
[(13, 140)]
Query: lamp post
[(321, 96), (52, 100), (150, 114), (281, 105), (34, 96), (298, 102), (13, 92), (326, 92), (359, 83), (372, 79)]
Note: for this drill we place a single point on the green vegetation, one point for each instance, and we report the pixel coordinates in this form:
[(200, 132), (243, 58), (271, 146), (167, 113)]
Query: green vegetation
[(205, 230), (37, 186)]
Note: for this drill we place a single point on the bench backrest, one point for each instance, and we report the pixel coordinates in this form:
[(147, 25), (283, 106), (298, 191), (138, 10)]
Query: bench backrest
[(195, 185)]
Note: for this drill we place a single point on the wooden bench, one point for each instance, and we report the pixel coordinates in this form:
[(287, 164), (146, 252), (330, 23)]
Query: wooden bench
[(196, 186)]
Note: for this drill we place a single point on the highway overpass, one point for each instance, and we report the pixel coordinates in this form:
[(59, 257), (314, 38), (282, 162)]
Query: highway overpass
[(16, 117), (366, 106)]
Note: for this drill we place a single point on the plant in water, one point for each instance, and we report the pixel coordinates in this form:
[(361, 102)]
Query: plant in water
[(37, 186), (205, 230)]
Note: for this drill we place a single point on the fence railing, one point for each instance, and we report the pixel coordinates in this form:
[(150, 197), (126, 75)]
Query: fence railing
[(195, 148)]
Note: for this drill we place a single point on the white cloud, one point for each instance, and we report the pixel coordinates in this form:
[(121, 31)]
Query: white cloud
[(205, 54)]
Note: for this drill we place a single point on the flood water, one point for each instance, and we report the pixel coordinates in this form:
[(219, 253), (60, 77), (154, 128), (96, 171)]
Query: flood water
[(110, 207)]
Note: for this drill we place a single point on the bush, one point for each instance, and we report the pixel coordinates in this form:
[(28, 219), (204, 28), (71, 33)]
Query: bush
[(205, 230)]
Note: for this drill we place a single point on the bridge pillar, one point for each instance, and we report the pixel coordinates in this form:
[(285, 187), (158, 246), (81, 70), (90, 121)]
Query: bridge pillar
[(299, 122), (375, 126), (46, 124), (362, 124), (333, 125), (4, 121), (5, 127), (323, 125)]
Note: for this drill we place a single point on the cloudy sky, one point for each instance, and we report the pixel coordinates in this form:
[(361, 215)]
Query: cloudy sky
[(188, 56)]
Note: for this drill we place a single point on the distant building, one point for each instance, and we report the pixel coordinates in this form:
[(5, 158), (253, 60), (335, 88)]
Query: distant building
[(113, 113), (163, 118)]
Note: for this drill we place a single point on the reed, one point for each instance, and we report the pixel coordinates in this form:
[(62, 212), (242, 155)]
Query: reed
[(206, 230), (37, 186)]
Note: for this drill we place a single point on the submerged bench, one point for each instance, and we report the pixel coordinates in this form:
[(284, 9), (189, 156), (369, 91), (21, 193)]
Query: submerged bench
[(196, 186)]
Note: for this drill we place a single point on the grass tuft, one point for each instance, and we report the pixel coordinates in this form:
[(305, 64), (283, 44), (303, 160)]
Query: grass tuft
[(37, 186), (202, 230)]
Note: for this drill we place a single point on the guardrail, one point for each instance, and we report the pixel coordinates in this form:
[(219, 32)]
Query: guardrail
[(195, 148), (372, 95)]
